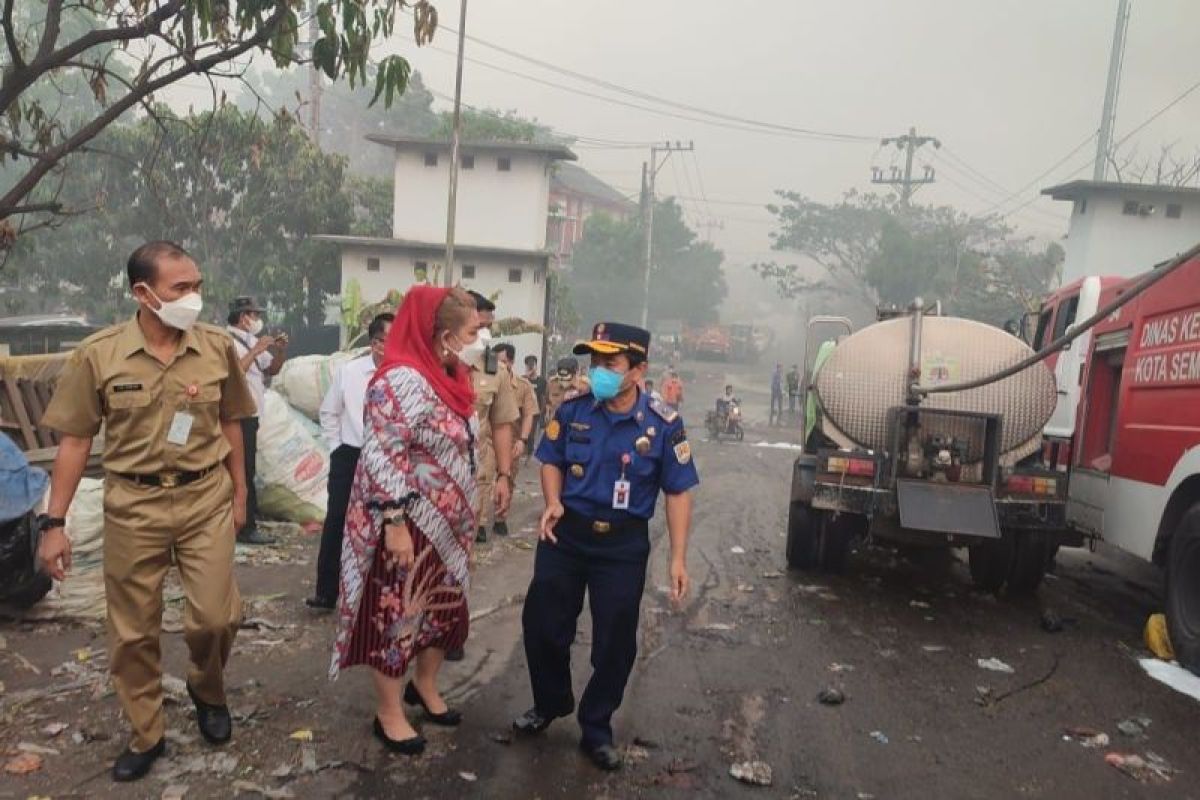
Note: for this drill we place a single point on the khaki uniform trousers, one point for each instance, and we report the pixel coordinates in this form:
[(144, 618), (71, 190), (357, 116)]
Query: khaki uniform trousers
[(145, 529), (485, 478)]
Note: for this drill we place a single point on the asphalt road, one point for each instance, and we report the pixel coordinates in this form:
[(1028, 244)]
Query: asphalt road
[(732, 677)]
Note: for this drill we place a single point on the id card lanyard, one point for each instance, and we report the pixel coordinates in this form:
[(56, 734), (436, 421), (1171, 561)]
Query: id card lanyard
[(621, 489)]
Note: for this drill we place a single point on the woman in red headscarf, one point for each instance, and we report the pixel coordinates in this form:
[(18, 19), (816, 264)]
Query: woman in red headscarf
[(410, 523)]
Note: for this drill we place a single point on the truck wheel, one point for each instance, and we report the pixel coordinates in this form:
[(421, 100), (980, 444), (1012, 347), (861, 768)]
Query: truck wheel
[(802, 536), (1183, 590), (1029, 562), (835, 538), (990, 562)]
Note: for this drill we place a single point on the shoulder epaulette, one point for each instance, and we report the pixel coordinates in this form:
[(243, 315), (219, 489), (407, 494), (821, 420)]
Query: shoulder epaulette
[(667, 413), (578, 397)]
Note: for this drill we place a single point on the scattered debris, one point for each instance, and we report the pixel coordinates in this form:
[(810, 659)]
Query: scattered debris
[(54, 729), (308, 761), (175, 689), (1090, 738), (469, 777), (649, 744), (718, 626), (282, 771), (502, 738), (1134, 728), (176, 791), (755, 773), (919, 604), (679, 766), (23, 764), (934, 648), (302, 735), (738, 550), (836, 667), (880, 737), (36, 749), (995, 665), (745, 588), (772, 575), (1051, 621), (635, 754), (1172, 675), (1151, 769), (831, 697), (247, 787), (1158, 637)]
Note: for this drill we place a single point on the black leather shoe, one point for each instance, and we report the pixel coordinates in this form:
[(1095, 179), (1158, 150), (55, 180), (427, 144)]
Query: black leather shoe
[(214, 722), (456, 655), (481, 536), (406, 747), (500, 528), (447, 719), (131, 766), (319, 603), (531, 723), (606, 757), (254, 536)]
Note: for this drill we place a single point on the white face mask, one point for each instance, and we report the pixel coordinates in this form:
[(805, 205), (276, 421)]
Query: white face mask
[(256, 327), (180, 314), (473, 354)]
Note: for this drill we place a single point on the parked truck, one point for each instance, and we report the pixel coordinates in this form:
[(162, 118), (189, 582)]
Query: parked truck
[(960, 469)]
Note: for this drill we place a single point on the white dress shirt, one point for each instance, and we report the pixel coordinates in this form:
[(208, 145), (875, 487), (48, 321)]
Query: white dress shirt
[(243, 343), (342, 408)]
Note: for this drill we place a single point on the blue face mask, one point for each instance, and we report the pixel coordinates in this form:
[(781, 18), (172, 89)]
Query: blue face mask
[(606, 383)]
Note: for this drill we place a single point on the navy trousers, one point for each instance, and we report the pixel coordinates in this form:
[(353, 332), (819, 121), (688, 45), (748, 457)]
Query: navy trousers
[(611, 568)]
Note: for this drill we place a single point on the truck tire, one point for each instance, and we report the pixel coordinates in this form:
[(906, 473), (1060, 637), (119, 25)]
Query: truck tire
[(834, 539), (990, 563), (1028, 564), (802, 536), (1183, 590)]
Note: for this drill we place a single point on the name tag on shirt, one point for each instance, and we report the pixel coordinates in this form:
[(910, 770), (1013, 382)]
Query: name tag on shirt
[(181, 428), (621, 495)]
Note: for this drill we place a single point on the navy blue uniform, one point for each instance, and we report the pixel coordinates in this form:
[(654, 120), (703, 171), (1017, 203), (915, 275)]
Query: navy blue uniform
[(600, 549)]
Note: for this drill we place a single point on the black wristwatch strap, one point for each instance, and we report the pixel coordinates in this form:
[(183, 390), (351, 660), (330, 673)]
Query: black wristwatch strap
[(48, 523)]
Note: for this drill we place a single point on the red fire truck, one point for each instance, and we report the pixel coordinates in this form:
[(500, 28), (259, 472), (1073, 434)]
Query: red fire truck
[(1133, 439)]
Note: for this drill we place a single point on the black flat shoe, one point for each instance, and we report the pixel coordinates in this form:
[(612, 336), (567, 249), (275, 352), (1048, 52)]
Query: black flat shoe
[(457, 654), (406, 747), (500, 529), (531, 723), (318, 603), (606, 757), (481, 535), (214, 722), (447, 719), (131, 766)]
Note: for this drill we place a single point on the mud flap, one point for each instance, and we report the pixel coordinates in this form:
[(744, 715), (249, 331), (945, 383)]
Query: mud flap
[(948, 508)]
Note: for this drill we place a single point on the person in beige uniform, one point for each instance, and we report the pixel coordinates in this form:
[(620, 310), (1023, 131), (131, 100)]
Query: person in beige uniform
[(170, 396), (527, 404), (565, 384), (496, 408)]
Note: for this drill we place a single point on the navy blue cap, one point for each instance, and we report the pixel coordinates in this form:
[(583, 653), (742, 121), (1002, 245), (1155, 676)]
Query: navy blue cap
[(610, 338)]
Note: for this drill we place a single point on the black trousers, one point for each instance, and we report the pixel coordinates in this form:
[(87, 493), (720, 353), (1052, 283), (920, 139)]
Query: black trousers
[(611, 568), (342, 463), (250, 448)]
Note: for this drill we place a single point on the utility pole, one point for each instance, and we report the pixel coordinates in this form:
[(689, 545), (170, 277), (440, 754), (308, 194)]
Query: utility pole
[(649, 171), (1108, 116), (452, 202), (314, 79), (910, 142)]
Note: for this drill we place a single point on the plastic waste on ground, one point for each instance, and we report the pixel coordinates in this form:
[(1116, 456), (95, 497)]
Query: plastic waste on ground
[(1158, 638), (1172, 675)]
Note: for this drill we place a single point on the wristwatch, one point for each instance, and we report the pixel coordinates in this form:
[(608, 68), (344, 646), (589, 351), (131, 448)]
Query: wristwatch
[(504, 475), (399, 518), (48, 523)]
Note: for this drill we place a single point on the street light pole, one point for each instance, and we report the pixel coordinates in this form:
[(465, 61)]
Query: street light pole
[(452, 202)]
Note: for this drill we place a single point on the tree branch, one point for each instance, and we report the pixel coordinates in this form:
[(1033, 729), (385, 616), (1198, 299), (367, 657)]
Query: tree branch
[(10, 37), (50, 33), (147, 87)]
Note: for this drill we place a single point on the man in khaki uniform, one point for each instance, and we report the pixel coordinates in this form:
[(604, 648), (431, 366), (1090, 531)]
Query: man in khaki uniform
[(496, 408), (527, 404), (565, 384), (170, 396)]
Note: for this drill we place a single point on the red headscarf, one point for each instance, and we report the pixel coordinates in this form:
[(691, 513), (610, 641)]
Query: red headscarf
[(409, 344)]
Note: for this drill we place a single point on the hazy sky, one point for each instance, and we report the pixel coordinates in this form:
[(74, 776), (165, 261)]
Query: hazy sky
[(1009, 87)]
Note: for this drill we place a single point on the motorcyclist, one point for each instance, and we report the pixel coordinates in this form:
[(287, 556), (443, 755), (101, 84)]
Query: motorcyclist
[(724, 403)]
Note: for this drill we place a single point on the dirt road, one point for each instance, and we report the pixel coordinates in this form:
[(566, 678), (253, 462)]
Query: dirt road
[(732, 677)]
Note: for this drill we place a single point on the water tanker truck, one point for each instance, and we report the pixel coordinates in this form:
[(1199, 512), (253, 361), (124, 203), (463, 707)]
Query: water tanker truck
[(886, 461)]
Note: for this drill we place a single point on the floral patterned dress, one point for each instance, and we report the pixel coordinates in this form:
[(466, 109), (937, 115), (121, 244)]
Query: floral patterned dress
[(418, 455)]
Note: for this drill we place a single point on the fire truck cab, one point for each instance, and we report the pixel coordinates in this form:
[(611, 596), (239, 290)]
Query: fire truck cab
[(1135, 465)]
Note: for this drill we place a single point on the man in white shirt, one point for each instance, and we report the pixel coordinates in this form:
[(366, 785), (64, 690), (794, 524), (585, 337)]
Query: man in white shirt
[(260, 357), (342, 428)]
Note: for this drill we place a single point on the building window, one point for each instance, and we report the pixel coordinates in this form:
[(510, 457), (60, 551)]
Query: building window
[(468, 162), (1174, 210), (1083, 206), (504, 164), (514, 275), (1131, 208), (431, 159), (468, 272), (421, 271), (372, 265)]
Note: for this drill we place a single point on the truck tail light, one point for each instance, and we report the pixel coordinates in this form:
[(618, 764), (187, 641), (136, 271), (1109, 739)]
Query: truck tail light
[(1029, 484), (848, 465)]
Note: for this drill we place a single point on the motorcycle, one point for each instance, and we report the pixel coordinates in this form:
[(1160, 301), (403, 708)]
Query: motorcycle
[(727, 423)]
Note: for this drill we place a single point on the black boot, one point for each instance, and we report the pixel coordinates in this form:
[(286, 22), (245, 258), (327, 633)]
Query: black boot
[(131, 766), (500, 528), (481, 536), (216, 726)]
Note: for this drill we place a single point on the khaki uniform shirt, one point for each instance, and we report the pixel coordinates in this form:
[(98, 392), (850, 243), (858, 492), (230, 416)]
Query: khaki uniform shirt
[(112, 380), (495, 400), (559, 391), (526, 401)]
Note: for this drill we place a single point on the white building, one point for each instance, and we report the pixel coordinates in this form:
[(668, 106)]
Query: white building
[(500, 226), (1124, 229)]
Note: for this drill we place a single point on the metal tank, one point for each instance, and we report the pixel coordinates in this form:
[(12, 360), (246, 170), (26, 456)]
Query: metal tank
[(871, 372)]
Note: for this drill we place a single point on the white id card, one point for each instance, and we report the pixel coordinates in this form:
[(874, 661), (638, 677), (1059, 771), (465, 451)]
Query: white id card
[(181, 428), (621, 495)]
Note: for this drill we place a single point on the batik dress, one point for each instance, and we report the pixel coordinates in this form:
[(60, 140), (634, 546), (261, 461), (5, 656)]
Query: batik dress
[(417, 455)]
